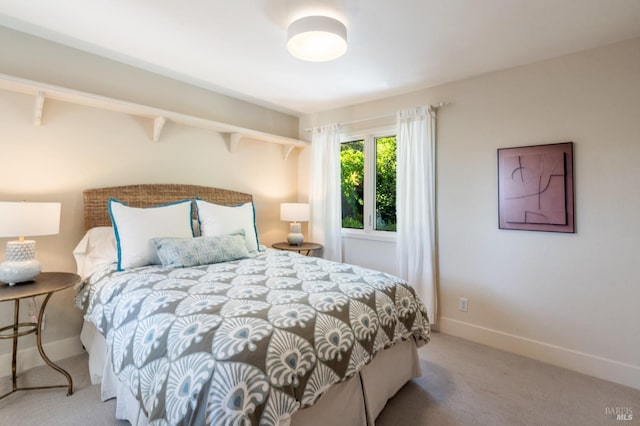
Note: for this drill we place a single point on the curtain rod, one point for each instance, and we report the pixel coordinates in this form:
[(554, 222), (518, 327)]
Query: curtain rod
[(378, 117)]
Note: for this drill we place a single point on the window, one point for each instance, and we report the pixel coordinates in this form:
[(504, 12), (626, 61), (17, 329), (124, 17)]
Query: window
[(368, 182)]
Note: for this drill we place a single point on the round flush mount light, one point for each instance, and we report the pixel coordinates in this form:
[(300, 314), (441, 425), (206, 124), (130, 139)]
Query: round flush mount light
[(317, 39)]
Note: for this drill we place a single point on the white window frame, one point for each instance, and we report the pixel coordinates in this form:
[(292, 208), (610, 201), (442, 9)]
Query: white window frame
[(369, 209)]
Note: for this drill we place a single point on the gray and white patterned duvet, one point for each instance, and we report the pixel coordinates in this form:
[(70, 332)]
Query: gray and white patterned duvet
[(249, 341)]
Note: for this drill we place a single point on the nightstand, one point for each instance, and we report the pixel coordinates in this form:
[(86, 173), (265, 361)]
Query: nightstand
[(308, 247), (46, 283)]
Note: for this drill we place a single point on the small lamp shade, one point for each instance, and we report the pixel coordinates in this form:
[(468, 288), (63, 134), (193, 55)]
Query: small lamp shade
[(25, 219), (294, 213)]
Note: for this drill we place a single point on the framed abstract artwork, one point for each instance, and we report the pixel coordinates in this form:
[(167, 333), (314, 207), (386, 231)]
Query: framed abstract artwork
[(535, 188)]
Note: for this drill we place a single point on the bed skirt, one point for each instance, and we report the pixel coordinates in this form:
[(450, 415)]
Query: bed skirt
[(357, 401)]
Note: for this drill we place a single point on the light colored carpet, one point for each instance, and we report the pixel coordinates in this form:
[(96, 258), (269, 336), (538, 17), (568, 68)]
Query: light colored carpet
[(463, 383)]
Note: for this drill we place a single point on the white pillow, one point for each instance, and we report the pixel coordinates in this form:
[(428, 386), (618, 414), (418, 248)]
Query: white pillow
[(215, 219), (135, 227), (96, 249)]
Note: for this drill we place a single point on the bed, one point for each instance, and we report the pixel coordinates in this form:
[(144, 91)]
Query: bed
[(269, 337)]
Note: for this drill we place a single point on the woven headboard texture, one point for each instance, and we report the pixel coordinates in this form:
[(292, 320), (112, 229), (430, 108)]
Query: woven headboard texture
[(96, 201)]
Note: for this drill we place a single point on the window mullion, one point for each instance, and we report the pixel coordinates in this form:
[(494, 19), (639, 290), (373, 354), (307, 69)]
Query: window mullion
[(369, 182)]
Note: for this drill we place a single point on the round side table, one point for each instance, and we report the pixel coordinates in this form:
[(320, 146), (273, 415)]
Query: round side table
[(309, 247), (46, 283)]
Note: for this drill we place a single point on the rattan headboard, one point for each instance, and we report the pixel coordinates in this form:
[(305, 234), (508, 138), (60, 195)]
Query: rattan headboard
[(96, 200)]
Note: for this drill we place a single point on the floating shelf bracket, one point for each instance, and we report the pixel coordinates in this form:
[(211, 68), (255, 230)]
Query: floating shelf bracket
[(158, 125), (39, 106), (286, 150), (234, 141)]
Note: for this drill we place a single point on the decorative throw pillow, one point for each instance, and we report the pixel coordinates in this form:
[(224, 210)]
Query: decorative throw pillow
[(135, 227), (215, 219), (185, 252)]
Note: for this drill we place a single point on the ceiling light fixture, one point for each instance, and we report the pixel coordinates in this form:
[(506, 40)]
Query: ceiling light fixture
[(317, 39)]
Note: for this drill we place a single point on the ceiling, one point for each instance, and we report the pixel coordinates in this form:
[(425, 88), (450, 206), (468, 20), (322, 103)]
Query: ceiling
[(238, 47)]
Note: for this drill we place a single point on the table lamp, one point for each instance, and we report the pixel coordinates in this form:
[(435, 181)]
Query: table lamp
[(25, 219), (294, 213)]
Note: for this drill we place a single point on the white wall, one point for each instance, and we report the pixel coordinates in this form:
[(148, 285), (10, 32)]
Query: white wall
[(78, 147), (568, 299), (377, 254)]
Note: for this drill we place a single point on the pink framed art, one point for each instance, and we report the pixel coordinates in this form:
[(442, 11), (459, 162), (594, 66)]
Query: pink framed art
[(535, 188)]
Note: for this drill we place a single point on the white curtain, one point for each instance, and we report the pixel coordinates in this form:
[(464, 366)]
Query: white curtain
[(415, 204), (326, 212)]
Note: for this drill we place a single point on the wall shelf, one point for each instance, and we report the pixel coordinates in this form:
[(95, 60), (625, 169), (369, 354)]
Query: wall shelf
[(159, 117)]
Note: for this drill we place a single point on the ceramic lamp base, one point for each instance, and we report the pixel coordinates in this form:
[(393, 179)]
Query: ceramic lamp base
[(21, 265), (295, 237)]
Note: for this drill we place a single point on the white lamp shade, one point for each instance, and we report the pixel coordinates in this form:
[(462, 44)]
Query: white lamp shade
[(25, 219), (317, 39), (294, 212)]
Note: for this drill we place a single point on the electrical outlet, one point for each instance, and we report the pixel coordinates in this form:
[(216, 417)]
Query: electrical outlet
[(463, 304)]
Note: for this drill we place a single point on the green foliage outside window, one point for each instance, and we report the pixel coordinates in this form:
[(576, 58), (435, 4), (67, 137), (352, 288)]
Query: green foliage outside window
[(386, 183), (352, 184)]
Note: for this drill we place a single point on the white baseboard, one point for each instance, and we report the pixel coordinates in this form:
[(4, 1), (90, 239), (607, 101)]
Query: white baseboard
[(603, 368), (29, 357)]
